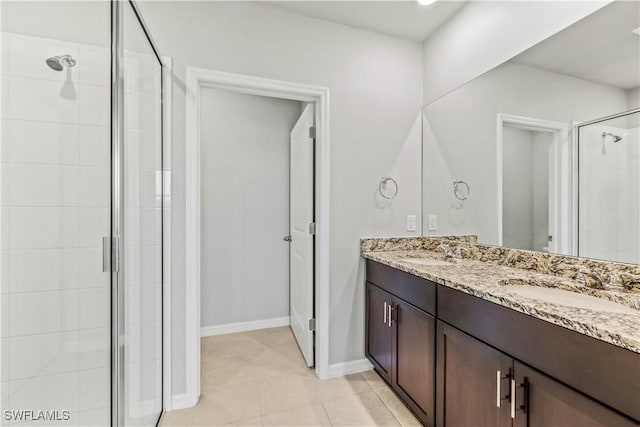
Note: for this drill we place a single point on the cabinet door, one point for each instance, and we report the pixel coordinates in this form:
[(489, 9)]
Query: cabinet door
[(472, 381), (542, 401), (414, 342), (378, 334)]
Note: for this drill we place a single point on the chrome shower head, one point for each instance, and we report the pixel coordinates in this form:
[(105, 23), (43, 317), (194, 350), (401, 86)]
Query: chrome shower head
[(615, 138), (57, 63)]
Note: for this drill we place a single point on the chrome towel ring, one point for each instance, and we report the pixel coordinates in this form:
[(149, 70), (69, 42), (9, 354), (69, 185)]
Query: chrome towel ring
[(461, 190), (384, 190)]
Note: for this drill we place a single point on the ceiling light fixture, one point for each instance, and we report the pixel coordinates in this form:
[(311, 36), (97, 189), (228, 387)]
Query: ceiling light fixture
[(636, 31), (426, 2)]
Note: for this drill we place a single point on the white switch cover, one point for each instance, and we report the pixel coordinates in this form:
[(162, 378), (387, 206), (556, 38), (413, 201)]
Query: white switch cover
[(411, 223), (433, 222)]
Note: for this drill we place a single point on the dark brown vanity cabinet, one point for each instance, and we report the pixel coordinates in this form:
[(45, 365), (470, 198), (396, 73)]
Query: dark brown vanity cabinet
[(481, 386), (475, 363), (400, 338), (473, 381), (413, 358), (379, 332)]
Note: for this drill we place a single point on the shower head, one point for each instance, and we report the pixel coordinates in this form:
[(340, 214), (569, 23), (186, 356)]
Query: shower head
[(57, 63), (615, 138)]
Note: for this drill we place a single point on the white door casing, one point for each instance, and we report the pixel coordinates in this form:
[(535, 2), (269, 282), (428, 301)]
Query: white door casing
[(301, 253), (319, 96)]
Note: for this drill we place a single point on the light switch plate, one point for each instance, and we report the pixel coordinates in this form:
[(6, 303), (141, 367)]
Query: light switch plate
[(433, 222), (411, 223)]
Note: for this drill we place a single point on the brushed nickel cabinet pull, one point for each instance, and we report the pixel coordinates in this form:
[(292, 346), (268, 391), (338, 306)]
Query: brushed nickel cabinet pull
[(498, 379), (513, 398), (385, 312)]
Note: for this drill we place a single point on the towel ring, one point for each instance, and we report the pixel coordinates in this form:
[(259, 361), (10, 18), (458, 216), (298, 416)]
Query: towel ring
[(383, 185), (461, 190)]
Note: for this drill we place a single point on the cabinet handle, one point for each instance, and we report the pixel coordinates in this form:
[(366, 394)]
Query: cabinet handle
[(385, 312), (390, 314), (513, 398), (498, 380)]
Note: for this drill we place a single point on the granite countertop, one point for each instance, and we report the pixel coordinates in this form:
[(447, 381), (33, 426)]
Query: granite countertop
[(617, 324)]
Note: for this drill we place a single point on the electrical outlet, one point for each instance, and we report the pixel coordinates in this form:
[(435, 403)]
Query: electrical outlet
[(433, 222), (411, 223)]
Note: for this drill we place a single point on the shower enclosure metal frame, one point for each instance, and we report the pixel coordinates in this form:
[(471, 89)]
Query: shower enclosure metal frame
[(118, 205), (576, 172)]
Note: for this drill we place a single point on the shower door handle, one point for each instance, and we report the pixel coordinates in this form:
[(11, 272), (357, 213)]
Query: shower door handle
[(110, 254), (106, 255)]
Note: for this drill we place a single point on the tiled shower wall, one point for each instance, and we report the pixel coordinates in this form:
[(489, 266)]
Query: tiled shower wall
[(55, 210), (609, 192), (55, 194)]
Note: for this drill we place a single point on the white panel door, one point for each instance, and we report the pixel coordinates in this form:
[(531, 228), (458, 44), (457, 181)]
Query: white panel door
[(301, 247)]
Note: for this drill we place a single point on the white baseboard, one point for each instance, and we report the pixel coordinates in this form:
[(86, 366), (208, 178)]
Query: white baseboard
[(230, 328), (350, 367)]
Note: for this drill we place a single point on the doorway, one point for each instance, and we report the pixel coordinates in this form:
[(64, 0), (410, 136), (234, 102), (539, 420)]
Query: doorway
[(533, 181), (257, 206), (313, 214)]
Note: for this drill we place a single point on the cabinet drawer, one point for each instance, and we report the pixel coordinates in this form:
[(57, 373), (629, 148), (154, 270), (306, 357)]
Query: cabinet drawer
[(415, 290)]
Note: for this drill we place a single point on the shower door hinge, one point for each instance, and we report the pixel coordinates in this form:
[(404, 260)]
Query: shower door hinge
[(312, 324), (110, 254), (312, 132), (312, 228)]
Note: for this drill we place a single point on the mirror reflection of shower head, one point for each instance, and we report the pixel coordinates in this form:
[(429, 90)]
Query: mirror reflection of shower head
[(57, 63)]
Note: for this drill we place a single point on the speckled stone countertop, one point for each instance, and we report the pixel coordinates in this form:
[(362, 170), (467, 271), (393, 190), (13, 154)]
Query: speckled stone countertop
[(490, 273)]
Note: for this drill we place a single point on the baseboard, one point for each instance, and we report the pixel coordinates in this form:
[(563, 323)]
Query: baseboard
[(350, 367), (229, 328)]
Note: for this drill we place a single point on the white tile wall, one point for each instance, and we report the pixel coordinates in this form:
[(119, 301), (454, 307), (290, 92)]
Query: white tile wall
[(609, 226), (55, 209)]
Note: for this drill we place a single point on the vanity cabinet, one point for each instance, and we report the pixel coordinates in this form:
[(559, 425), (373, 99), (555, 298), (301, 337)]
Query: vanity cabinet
[(400, 337), (542, 401), (456, 360), (481, 386), (379, 334), (473, 381)]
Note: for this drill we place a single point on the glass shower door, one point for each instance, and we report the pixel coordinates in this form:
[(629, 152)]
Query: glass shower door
[(55, 342), (141, 386)]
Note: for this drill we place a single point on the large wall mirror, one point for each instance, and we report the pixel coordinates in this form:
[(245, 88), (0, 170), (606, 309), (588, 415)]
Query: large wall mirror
[(547, 145)]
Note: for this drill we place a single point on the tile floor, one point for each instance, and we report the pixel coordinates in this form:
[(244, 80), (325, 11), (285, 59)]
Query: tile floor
[(259, 378)]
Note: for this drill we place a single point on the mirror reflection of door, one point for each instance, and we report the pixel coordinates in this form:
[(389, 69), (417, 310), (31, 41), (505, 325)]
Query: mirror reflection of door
[(527, 207)]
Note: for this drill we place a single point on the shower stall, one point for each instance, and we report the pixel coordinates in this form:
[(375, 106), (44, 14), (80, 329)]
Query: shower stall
[(608, 193), (82, 188)]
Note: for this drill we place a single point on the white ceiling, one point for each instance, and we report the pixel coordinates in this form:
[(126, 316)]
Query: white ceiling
[(600, 48), (399, 18)]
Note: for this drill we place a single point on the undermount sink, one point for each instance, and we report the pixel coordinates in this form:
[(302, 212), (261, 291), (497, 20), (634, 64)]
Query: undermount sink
[(567, 298), (427, 261)]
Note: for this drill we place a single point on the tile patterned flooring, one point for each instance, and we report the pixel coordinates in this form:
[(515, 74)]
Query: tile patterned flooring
[(259, 378)]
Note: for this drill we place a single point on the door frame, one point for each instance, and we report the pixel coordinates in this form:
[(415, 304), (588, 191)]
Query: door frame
[(561, 169), (196, 80)]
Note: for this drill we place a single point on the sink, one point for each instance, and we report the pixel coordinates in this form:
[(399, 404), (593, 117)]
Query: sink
[(567, 298), (427, 261)]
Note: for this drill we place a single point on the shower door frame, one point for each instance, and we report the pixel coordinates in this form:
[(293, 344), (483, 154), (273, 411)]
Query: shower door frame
[(117, 252), (575, 187)]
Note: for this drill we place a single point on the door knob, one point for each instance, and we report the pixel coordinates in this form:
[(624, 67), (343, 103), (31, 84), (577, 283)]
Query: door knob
[(287, 238)]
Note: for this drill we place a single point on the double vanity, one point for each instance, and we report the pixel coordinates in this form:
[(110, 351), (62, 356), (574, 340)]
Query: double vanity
[(477, 335)]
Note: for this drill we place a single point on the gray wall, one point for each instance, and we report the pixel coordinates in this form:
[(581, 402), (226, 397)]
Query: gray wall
[(375, 85), (245, 206), (525, 188)]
